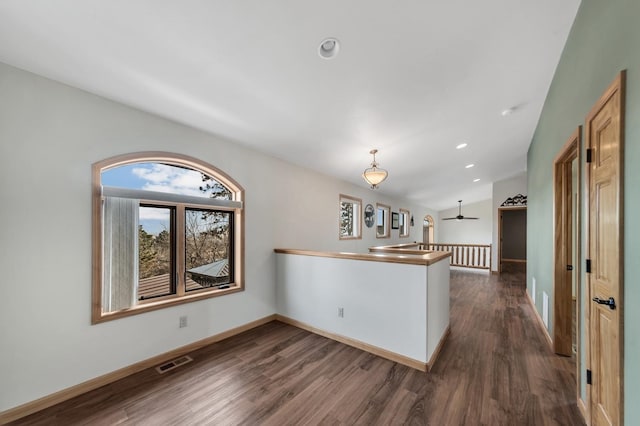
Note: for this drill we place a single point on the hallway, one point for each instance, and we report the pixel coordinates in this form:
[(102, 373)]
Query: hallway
[(498, 363)]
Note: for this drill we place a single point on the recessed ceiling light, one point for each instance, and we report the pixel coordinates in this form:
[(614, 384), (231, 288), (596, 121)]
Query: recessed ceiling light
[(329, 48), (477, 180), (508, 111), (468, 166), (462, 145)]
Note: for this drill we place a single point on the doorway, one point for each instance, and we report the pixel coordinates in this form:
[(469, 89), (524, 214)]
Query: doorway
[(512, 239), (427, 230), (566, 291)]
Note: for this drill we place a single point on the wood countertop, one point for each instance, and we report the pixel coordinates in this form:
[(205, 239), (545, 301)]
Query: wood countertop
[(406, 258)]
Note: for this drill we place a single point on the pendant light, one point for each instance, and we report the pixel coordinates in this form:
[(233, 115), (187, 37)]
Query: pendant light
[(374, 175)]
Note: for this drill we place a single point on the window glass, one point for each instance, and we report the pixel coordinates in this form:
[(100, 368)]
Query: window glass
[(166, 178), (207, 248), (155, 258)]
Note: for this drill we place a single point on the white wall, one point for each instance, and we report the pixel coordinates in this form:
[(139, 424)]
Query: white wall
[(401, 308), (50, 134), (467, 231), (385, 304), (501, 191)]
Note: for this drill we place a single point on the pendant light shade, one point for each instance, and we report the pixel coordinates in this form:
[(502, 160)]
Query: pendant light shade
[(374, 175)]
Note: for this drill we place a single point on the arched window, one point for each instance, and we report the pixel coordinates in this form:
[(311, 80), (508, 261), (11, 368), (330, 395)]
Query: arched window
[(428, 230), (167, 229)]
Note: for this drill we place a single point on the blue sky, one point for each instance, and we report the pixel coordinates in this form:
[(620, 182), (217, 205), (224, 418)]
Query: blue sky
[(155, 177), (123, 176)]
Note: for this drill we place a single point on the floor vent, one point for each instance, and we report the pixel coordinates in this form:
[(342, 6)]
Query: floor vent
[(167, 366)]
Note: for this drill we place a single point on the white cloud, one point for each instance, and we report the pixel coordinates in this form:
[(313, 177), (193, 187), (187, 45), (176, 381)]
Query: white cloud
[(156, 174), (165, 178), (151, 213)]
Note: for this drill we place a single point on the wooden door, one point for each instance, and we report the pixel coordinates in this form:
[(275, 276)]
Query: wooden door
[(565, 247), (605, 125)]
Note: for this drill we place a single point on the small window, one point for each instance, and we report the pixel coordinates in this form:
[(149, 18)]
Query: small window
[(350, 218), (404, 222), (383, 213), (167, 230)]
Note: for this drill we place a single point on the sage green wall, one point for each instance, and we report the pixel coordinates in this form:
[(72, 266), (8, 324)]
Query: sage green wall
[(604, 40)]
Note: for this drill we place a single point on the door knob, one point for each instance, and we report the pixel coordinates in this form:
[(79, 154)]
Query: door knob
[(611, 303)]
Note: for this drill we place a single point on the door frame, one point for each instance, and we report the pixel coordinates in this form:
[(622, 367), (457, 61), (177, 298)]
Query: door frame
[(501, 210), (430, 230), (565, 250)]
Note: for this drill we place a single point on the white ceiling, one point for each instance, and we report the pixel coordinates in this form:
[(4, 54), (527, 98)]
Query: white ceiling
[(413, 78)]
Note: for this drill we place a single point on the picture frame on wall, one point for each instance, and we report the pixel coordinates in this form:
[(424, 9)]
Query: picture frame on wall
[(395, 220), (369, 216)]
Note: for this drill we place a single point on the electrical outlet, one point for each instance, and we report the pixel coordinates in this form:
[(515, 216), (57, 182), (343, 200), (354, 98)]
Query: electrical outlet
[(340, 312), (183, 321)]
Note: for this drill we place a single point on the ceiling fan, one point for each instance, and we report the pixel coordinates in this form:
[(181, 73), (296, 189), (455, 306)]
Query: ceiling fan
[(459, 217)]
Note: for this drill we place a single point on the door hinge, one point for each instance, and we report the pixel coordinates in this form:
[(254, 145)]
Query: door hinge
[(588, 377), (589, 155), (588, 266)]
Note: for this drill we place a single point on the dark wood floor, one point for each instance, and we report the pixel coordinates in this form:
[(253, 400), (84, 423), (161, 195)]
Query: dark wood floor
[(496, 368)]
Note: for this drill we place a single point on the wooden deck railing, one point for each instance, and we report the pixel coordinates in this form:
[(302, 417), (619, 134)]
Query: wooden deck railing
[(476, 256)]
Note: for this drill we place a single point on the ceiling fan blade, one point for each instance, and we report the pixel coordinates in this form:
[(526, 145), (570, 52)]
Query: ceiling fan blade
[(459, 217)]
